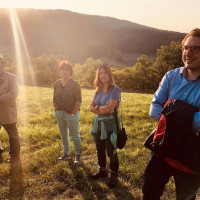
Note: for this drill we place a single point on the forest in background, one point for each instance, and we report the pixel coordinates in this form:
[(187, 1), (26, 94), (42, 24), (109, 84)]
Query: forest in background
[(144, 76)]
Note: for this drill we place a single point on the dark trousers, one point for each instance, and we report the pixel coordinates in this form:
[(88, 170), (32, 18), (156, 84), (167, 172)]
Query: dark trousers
[(12, 131), (158, 173), (102, 146)]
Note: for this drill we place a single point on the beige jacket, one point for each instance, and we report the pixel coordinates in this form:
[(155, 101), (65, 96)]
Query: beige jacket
[(8, 93)]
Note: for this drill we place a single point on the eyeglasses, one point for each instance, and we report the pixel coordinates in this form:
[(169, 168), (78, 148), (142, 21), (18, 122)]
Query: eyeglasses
[(193, 49)]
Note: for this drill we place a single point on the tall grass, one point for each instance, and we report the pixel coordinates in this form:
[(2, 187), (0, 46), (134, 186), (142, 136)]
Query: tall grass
[(40, 176)]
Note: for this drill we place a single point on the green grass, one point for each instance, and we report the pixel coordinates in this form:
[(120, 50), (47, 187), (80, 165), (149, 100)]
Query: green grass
[(40, 176)]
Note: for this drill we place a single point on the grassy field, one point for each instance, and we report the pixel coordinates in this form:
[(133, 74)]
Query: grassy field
[(40, 176)]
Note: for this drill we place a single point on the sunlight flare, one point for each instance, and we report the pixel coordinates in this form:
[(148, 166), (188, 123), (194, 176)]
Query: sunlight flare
[(19, 40), (18, 52), (23, 62)]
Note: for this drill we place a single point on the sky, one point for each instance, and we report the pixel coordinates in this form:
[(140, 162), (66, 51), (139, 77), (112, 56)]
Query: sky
[(173, 15)]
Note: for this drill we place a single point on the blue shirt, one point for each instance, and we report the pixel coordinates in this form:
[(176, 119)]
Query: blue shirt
[(102, 98), (176, 85)]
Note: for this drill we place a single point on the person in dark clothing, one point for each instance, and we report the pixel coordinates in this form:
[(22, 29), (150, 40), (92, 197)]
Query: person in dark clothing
[(182, 84)]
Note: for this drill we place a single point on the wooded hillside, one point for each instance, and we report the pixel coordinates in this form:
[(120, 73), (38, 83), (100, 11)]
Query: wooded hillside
[(78, 36)]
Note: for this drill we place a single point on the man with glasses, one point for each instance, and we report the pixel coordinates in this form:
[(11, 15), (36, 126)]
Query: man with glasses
[(183, 84), (8, 110)]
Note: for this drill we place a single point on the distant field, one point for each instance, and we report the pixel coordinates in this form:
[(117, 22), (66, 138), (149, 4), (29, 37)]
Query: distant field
[(40, 176)]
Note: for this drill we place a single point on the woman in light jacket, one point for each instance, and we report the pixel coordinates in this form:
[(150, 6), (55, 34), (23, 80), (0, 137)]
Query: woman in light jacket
[(9, 90)]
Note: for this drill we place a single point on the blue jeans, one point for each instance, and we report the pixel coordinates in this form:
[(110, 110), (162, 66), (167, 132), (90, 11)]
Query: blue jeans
[(68, 123)]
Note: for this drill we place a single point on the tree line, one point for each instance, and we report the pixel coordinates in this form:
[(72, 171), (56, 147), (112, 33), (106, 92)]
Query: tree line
[(144, 76)]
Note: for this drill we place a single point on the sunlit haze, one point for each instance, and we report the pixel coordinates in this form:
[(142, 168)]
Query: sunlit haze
[(176, 15)]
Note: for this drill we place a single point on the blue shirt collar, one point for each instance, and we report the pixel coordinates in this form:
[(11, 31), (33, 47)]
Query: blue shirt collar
[(183, 72)]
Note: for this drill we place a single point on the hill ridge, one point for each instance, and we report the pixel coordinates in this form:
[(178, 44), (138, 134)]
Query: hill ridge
[(80, 36)]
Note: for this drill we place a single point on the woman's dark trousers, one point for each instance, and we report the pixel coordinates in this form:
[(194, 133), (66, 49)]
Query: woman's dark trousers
[(102, 146)]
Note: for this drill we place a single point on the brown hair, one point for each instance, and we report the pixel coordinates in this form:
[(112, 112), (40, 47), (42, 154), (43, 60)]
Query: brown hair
[(97, 82), (67, 65), (195, 32)]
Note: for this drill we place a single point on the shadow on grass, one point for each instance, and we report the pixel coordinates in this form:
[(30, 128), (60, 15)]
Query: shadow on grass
[(92, 189), (122, 192), (16, 181), (88, 188)]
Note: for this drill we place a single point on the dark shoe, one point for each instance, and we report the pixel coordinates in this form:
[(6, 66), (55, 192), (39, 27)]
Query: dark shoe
[(113, 180), (1, 150), (64, 157), (100, 174), (13, 159), (78, 160)]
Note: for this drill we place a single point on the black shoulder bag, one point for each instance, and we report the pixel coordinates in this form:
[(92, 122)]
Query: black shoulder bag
[(121, 134)]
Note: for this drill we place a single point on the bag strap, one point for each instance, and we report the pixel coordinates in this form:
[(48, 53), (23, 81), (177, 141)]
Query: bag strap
[(115, 113), (121, 114), (117, 123)]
